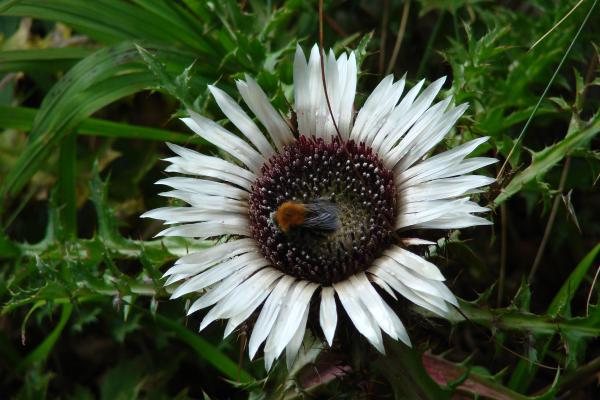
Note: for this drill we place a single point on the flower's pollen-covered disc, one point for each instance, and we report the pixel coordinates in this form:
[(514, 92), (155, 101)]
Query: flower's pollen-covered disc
[(323, 210)]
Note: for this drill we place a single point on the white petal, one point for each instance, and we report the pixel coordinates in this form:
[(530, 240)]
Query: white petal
[(348, 79), (175, 278), (431, 303), (369, 109), (333, 93), (431, 137), (409, 278), (446, 293), (197, 214), (223, 288), (328, 313), (427, 287), (384, 285), (214, 254), (441, 165), (246, 311), (219, 272), (358, 315), (204, 230), (416, 242), (202, 186), (453, 221), (288, 320), (317, 107), (422, 212), (301, 92), (399, 120), (259, 103), (291, 350), (406, 114), (268, 314), (241, 120), (415, 137), (202, 161), (376, 109), (225, 140), (246, 296), (174, 215), (444, 188), (387, 105), (414, 262), (398, 325), (373, 303)]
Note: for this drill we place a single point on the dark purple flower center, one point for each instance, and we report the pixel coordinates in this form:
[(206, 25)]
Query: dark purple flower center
[(346, 177)]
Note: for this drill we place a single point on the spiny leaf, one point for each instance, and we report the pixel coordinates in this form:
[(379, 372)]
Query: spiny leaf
[(544, 160)]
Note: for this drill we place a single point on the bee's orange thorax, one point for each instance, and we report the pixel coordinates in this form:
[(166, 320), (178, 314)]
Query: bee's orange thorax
[(290, 214)]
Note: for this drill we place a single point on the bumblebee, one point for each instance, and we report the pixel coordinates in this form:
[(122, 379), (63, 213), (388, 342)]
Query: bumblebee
[(321, 216)]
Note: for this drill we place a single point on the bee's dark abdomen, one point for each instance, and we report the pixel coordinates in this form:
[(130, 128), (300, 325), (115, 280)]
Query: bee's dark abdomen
[(322, 215)]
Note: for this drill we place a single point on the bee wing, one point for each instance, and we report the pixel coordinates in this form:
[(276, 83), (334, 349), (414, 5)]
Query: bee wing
[(322, 215)]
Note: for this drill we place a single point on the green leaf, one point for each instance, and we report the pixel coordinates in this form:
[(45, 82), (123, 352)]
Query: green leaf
[(41, 60), (571, 285), (22, 118), (67, 197), (525, 321), (122, 382), (110, 21), (95, 81), (522, 299), (99, 79), (206, 350), (544, 160), (177, 87), (403, 368), (41, 352)]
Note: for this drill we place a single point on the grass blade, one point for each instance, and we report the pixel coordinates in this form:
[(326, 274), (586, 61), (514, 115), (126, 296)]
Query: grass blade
[(206, 350), (99, 79), (41, 352), (22, 118)]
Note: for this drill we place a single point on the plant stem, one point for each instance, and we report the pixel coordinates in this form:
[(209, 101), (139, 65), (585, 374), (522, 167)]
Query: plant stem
[(550, 224), (503, 252), (399, 36), (430, 42)]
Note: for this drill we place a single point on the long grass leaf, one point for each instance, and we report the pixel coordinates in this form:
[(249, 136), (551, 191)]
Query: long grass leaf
[(40, 353), (206, 350), (22, 118), (99, 79)]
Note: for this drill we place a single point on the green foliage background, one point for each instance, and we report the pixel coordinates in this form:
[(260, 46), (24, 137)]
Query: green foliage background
[(91, 90)]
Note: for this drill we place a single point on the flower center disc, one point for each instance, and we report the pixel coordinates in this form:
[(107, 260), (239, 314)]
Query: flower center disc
[(347, 175)]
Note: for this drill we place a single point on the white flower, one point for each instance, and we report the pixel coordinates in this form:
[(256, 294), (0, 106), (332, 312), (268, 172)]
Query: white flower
[(309, 215)]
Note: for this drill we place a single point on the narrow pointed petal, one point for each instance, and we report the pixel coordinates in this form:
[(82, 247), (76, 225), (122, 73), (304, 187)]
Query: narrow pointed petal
[(260, 105), (219, 272), (225, 140), (242, 121), (328, 313), (293, 347), (269, 314), (222, 289), (247, 295), (414, 262), (358, 315), (289, 319)]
